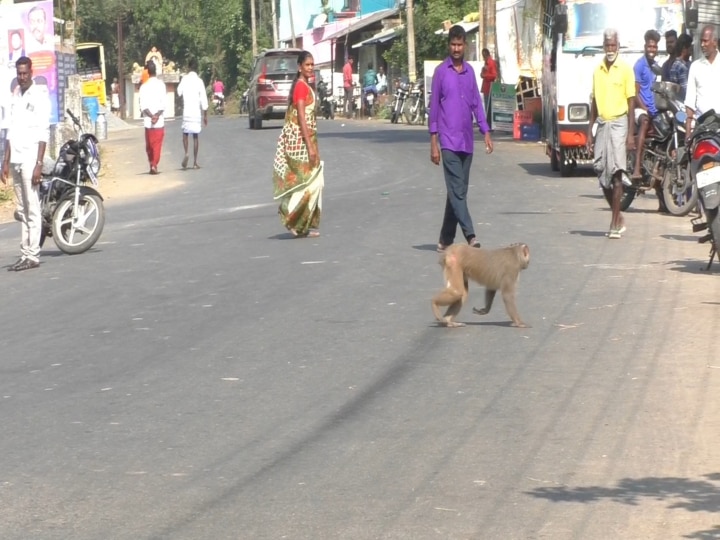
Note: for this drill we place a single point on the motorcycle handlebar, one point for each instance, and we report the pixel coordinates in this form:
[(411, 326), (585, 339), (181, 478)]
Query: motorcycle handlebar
[(74, 118)]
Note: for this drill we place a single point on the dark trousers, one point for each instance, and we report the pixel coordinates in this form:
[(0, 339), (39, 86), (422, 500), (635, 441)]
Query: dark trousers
[(348, 102), (456, 166)]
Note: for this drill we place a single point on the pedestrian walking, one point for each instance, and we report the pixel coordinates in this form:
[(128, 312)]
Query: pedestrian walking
[(298, 177), (152, 104), (454, 101), (195, 105), (115, 97), (27, 136), (613, 106)]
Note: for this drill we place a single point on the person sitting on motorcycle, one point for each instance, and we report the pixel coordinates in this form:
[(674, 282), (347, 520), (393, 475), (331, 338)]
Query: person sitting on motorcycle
[(645, 108), (370, 80), (218, 90)]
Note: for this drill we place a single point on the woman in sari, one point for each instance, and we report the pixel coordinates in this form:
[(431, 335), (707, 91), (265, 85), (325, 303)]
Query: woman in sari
[(297, 170)]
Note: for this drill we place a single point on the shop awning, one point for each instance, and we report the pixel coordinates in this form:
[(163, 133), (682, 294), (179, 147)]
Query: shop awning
[(363, 22), (380, 37)]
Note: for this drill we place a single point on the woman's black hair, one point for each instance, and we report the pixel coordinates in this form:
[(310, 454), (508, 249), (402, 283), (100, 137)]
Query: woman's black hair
[(304, 55)]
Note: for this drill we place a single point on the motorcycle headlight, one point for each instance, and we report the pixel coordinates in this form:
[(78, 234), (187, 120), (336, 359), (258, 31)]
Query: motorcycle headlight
[(578, 112)]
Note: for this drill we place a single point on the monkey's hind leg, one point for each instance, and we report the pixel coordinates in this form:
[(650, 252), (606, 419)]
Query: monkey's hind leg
[(489, 297), (452, 298)]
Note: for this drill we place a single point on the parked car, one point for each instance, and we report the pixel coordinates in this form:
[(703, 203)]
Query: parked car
[(272, 76)]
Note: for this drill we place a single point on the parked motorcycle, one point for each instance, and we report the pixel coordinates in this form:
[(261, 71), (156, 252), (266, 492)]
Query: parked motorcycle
[(402, 90), (72, 212), (370, 101), (415, 112), (327, 104), (664, 146), (704, 163)]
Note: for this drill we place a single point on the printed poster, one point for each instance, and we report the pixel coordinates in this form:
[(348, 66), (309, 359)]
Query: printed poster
[(27, 30), (503, 103)]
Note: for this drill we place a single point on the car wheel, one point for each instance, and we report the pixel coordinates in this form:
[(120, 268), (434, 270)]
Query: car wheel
[(251, 121), (258, 122)]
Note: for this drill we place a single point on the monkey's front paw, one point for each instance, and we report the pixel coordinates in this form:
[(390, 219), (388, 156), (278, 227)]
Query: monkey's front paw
[(482, 311)]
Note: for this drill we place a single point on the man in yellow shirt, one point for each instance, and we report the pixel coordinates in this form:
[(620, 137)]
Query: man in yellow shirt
[(613, 97)]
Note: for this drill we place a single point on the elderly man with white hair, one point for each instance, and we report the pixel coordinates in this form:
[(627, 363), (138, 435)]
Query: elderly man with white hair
[(613, 107)]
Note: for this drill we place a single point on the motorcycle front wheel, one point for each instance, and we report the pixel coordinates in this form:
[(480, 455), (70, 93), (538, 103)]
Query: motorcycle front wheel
[(681, 195), (77, 235)]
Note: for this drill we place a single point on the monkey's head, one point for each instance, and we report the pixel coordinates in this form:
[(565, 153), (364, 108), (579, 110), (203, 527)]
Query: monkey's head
[(523, 254)]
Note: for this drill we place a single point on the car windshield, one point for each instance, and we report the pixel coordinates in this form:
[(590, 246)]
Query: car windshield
[(588, 19), (280, 64)]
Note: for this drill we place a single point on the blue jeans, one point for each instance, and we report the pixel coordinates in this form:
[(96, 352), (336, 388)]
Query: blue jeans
[(456, 166)]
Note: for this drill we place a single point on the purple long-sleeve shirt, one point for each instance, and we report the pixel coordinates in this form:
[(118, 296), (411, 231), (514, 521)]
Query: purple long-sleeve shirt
[(454, 101)]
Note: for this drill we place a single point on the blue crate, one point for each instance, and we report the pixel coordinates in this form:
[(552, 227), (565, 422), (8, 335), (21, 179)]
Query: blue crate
[(530, 132)]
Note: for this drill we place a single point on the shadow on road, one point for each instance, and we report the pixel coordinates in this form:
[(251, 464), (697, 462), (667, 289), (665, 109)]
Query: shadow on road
[(588, 233), (682, 237), (425, 247), (693, 267), (678, 493)]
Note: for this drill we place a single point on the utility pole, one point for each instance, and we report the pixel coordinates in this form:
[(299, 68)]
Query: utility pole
[(253, 27), (481, 28), (411, 41), (273, 14), (121, 64), (490, 41), (292, 24)]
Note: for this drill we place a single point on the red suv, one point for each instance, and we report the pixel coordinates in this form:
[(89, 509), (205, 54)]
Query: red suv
[(272, 76)]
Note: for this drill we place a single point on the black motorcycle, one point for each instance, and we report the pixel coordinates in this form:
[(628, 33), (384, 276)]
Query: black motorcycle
[(415, 110), (72, 212), (327, 104), (704, 162), (402, 90), (663, 149)]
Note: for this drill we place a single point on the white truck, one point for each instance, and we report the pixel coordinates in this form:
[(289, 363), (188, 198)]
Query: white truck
[(573, 48)]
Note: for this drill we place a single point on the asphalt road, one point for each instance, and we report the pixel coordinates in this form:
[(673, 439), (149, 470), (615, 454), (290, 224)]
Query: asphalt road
[(202, 375)]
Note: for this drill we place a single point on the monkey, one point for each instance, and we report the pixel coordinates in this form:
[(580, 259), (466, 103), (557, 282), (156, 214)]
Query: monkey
[(497, 269)]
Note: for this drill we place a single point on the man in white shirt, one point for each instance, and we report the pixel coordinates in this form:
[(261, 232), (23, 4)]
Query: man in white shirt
[(704, 78), (152, 104), (195, 105), (381, 81), (28, 134)]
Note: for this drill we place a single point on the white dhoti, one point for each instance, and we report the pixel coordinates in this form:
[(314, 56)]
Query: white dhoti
[(192, 126)]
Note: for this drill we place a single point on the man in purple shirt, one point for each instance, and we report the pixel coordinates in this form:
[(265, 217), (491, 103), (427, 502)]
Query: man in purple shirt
[(454, 101)]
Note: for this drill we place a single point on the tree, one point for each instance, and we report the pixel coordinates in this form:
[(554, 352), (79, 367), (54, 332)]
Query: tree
[(428, 18)]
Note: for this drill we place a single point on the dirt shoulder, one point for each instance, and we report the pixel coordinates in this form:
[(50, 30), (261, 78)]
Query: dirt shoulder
[(124, 174)]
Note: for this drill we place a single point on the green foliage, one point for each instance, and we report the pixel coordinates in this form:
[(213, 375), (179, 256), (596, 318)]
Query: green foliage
[(216, 32), (428, 17), (6, 194)]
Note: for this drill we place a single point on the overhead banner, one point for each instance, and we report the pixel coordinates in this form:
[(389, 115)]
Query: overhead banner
[(27, 30)]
